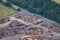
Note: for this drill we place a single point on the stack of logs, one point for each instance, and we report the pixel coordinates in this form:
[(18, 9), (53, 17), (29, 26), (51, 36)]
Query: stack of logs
[(37, 21), (4, 20)]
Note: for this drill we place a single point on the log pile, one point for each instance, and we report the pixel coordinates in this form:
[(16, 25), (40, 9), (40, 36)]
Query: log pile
[(38, 28)]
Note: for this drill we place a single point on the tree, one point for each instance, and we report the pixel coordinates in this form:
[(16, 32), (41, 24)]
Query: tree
[(18, 9), (46, 8), (0, 0)]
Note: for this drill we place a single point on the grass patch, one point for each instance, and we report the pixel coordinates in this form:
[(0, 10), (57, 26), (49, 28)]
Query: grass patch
[(57, 1), (5, 11)]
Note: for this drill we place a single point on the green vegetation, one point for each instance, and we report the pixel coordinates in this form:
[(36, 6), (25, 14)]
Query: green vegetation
[(4, 10), (46, 8)]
